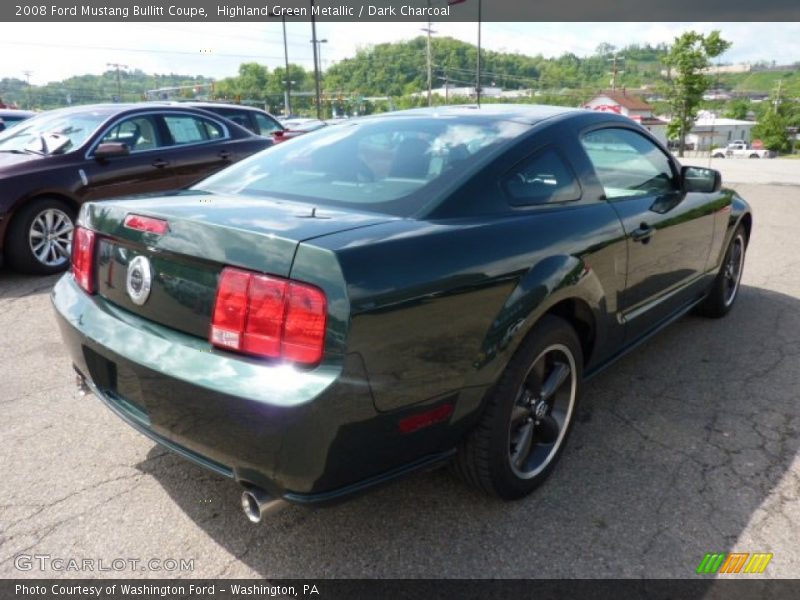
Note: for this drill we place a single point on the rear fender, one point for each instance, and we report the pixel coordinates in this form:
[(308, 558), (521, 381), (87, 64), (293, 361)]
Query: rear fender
[(740, 213), (549, 282)]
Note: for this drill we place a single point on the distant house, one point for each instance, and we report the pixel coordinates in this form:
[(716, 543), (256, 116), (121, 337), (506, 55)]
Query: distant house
[(710, 131), (633, 107)]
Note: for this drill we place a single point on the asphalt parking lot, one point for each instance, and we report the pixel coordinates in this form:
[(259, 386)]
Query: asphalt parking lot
[(688, 445)]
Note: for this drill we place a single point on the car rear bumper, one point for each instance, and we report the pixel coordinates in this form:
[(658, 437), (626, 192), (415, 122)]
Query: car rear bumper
[(302, 435)]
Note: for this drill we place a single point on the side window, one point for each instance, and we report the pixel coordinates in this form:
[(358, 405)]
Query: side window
[(139, 133), (239, 117), (628, 164), (187, 129), (266, 125), (541, 179)]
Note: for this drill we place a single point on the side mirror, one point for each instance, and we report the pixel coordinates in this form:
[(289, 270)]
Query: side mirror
[(111, 149), (698, 179)]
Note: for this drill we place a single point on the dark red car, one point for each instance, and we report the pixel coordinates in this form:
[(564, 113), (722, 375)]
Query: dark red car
[(55, 161)]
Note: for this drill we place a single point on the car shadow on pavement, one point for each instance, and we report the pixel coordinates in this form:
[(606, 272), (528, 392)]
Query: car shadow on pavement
[(17, 285), (683, 447)]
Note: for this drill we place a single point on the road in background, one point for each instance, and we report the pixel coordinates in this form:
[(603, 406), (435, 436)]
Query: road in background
[(688, 445)]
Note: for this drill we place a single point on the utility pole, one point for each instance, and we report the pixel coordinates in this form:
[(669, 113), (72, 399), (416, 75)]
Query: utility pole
[(287, 102), (429, 31), (615, 71), (778, 95), (118, 66), (316, 64), (28, 79)]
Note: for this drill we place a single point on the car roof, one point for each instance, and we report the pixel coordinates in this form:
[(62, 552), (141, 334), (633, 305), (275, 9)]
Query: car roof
[(11, 112), (221, 105), (111, 109), (524, 113)]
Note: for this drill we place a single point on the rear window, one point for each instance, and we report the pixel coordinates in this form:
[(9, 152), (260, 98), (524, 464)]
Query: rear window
[(390, 165)]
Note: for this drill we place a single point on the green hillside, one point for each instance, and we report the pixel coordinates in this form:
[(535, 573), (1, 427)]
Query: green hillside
[(398, 70), (87, 89)]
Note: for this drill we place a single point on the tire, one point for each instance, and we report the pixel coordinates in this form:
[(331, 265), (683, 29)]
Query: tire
[(725, 289), (525, 425), (754, 156), (35, 221), (717, 156)]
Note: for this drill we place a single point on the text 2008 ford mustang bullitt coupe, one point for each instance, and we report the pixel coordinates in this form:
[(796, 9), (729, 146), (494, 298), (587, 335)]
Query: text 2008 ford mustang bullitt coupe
[(393, 293)]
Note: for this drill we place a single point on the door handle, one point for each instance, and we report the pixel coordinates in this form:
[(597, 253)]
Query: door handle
[(160, 163), (643, 233), (224, 154)]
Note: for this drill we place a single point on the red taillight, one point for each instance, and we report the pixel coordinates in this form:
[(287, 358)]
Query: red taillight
[(269, 316), (147, 224), (83, 258)]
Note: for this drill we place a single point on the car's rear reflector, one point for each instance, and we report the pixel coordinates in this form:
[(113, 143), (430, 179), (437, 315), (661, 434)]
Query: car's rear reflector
[(147, 224), (426, 418), (83, 243), (269, 316)]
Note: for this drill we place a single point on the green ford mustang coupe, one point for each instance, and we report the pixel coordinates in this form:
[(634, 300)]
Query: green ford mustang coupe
[(394, 293)]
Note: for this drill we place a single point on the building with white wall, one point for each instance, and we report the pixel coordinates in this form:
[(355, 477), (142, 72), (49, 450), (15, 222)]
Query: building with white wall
[(710, 131)]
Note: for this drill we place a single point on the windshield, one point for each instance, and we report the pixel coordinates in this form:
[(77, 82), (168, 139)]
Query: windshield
[(53, 132), (390, 165)]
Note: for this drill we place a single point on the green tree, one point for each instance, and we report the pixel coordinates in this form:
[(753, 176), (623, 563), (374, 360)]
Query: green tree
[(686, 60), (738, 109), (775, 118)]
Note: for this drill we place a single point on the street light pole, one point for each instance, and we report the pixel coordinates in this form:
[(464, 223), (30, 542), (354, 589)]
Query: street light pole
[(318, 69), (319, 53), (287, 103), (478, 69), (316, 64)]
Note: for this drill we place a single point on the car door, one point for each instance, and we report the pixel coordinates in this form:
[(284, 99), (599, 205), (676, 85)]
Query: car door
[(201, 146), (668, 232), (146, 169)]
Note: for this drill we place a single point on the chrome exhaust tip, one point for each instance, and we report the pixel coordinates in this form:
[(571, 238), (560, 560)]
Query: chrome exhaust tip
[(257, 504), (83, 388)]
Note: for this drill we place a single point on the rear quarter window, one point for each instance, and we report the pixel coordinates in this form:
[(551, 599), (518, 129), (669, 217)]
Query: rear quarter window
[(541, 179)]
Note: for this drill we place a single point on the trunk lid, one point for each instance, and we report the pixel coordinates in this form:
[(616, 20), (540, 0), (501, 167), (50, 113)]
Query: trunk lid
[(206, 233)]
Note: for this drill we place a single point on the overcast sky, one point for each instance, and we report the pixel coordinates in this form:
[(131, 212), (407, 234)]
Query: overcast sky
[(53, 51)]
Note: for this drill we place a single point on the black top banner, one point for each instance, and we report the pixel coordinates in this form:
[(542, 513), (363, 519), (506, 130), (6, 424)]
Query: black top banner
[(401, 10)]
